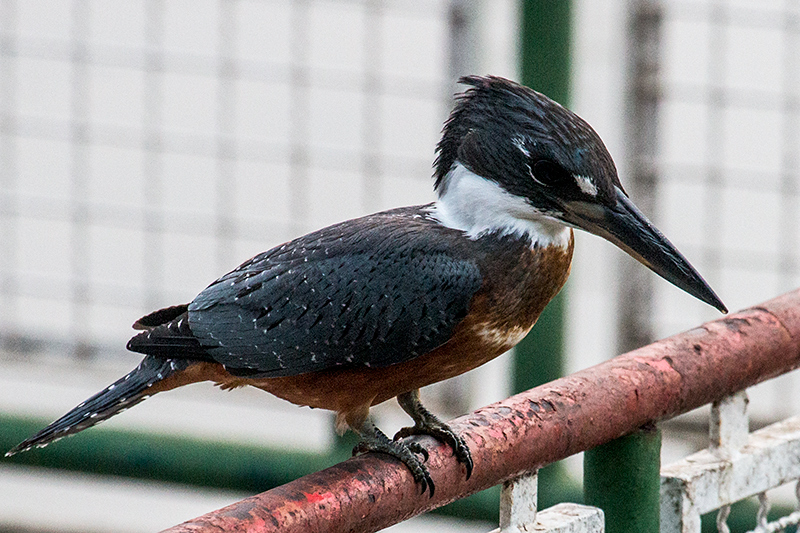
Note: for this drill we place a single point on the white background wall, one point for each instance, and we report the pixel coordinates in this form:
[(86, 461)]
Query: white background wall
[(726, 159), (148, 146)]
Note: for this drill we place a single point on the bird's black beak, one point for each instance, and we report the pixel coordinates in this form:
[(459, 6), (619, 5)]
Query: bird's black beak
[(624, 225)]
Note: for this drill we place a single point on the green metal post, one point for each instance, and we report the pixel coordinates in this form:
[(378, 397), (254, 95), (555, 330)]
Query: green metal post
[(545, 47), (545, 66), (623, 478)]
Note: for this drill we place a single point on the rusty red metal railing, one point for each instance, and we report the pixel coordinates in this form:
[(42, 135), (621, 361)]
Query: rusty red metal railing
[(534, 428)]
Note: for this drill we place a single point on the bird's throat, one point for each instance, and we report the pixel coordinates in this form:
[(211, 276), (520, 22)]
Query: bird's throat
[(479, 206)]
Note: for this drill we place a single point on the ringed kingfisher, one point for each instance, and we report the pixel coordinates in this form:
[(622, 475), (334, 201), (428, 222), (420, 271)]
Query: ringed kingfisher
[(377, 307)]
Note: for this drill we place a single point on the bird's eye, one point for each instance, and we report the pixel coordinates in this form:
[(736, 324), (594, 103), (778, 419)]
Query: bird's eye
[(548, 173)]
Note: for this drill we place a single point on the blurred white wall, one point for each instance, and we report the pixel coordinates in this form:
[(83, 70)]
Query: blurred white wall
[(149, 146), (152, 146), (725, 153)]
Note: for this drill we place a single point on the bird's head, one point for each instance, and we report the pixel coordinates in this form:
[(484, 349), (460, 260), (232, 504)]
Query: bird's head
[(539, 163)]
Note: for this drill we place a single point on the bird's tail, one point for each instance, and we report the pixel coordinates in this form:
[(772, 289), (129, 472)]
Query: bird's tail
[(120, 395)]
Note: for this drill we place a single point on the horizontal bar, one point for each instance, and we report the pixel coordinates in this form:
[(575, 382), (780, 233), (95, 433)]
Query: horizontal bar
[(572, 518), (565, 518), (770, 458), (535, 428)]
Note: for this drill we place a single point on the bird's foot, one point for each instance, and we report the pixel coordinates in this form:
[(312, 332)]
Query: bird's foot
[(426, 423), (444, 433), (374, 440)]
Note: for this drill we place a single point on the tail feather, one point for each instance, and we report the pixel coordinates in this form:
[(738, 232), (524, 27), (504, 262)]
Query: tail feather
[(120, 395)]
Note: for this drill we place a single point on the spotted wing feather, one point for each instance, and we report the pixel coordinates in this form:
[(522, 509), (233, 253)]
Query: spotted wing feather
[(372, 292)]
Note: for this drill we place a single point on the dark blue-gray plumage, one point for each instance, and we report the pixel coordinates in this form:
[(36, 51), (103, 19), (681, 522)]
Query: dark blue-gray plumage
[(373, 308), (373, 293)]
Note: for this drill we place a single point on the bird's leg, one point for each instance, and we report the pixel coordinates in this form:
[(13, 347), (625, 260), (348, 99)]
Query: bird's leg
[(374, 440), (426, 423)]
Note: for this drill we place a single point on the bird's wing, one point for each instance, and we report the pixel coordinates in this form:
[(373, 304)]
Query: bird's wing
[(373, 292)]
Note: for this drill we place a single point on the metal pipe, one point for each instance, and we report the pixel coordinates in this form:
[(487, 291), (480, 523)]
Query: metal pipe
[(534, 428)]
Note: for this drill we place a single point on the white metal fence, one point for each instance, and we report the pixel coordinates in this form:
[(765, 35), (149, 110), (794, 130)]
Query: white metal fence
[(736, 465)]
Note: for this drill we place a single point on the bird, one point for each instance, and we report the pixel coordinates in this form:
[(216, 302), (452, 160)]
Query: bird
[(375, 308)]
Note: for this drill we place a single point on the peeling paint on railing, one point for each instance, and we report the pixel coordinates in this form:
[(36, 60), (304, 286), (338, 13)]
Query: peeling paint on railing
[(534, 428)]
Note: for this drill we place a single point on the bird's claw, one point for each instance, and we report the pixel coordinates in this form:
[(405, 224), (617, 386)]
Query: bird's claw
[(418, 448), (409, 432), (425, 480), (443, 433), (406, 454)]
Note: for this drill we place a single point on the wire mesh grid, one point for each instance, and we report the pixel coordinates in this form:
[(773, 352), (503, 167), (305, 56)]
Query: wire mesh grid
[(147, 147), (727, 149)]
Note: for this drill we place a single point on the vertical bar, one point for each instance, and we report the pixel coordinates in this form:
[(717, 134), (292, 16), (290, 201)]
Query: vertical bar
[(623, 478), (730, 424), (545, 46), (790, 139), (518, 502), (153, 147), (299, 158), (226, 226), (79, 218), (678, 511), (636, 289), (9, 208), (718, 21), (728, 433), (371, 160)]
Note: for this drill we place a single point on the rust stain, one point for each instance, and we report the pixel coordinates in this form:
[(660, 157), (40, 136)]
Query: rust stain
[(735, 324), (662, 365)]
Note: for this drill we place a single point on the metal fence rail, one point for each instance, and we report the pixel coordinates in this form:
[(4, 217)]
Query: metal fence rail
[(735, 466), (534, 428)]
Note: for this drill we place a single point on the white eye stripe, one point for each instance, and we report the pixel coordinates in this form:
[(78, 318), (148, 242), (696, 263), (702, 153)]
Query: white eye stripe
[(585, 184)]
